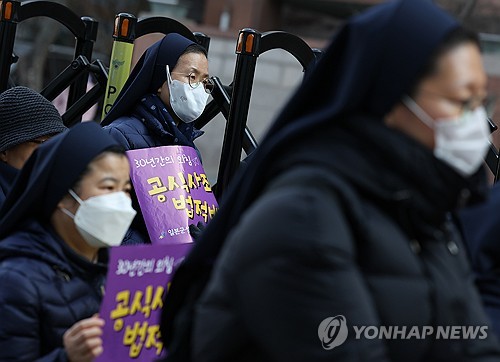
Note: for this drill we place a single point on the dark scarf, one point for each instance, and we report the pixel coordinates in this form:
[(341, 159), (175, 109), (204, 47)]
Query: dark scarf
[(161, 124), (393, 170)]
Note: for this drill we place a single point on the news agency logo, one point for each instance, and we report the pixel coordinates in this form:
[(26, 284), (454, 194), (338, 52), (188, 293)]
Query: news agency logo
[(333, 331)]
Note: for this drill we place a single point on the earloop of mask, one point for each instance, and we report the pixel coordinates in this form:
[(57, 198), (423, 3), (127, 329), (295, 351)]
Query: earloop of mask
[(418, 111), (77, 198)]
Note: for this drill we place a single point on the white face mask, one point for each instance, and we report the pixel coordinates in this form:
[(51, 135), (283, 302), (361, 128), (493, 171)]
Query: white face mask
[(188, 103), (103, 220), (461, 142)]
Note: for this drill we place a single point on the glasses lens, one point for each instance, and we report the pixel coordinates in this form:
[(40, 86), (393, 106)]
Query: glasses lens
[(192, 81), (209, 85)]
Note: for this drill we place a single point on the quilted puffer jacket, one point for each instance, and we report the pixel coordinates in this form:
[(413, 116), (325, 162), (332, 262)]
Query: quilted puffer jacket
[(145, 129), (45, 288), (134, 133)]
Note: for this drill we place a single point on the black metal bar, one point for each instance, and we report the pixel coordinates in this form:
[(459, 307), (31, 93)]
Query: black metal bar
[(74, 114), (294, 45), (493, 126), (220, 103), (202, 39), (210, 112), (84, 29), (492, 158), (222, 95), (55, 11), (65, 78), (9, 14), (318, 53), (492, 161), (289, 42), (99, 70), (84, 46), (159, 24), (247, 50), (249, 142)]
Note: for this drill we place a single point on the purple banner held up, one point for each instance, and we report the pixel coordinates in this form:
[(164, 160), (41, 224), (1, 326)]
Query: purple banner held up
[(138, 277), (173, 191)]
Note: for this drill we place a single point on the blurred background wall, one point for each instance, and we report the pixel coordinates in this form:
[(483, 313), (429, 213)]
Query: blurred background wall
[(45, 48)]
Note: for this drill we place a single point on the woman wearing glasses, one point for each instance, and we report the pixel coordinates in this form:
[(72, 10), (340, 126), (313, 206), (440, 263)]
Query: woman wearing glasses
[(166, 91)]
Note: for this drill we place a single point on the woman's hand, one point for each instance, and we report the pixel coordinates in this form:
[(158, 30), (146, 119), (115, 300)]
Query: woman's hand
[(83, 341)]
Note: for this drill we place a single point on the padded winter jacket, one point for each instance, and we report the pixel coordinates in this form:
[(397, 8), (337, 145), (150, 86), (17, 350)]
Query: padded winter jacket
[(45, 288), (134, 133)]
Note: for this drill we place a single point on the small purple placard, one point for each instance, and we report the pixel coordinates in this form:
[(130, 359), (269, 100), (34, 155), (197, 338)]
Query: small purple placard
[(138, 277), (173, 191)]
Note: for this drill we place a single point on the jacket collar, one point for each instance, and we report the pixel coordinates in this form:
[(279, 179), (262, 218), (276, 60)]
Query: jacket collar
[(37, 241), (155, 116), (393, 169)]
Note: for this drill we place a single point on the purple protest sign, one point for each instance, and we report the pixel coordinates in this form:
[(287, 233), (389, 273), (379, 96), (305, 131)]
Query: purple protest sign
[(173, 191), (138, 277)]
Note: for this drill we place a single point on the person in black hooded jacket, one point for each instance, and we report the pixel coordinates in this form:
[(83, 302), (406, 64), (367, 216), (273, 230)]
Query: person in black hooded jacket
[(336, 243), (68, 203)]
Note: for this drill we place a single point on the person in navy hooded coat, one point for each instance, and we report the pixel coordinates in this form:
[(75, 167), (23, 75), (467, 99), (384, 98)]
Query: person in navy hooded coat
[(166, 91), (69, 202), (339, 226)]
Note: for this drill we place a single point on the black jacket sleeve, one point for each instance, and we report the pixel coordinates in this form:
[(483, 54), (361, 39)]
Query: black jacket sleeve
[(19, 321)]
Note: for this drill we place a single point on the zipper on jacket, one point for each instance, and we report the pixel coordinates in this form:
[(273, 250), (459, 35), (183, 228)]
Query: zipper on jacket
[(61, 273)]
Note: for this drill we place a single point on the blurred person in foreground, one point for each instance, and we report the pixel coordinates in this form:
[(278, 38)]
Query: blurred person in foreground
[(27, 120), (69, 203), (341, 221)]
